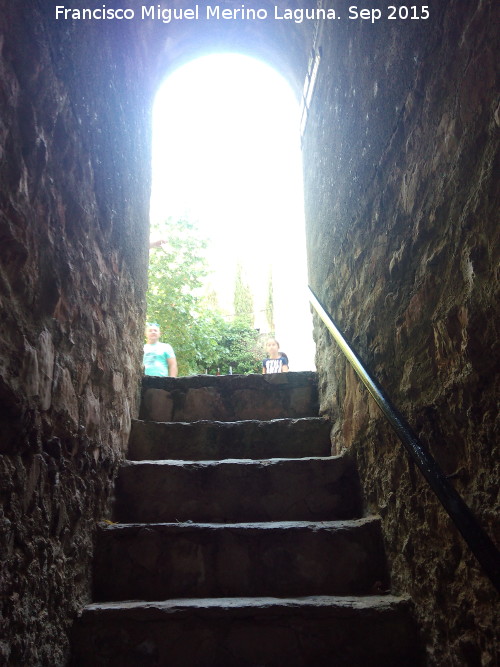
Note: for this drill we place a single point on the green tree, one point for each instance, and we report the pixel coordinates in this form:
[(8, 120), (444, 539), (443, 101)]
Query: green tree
[(239, 348), (176, 273), (243, 300), (270, 302), (190, 321)]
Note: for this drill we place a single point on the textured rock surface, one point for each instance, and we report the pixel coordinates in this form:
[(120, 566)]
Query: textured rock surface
[(73, 253), (253, 582), (401, 156), (252, 439), (240, 632), (241, 490), (229, 397), (180, 560)]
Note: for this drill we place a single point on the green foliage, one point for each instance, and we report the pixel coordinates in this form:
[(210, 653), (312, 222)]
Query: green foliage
[(243, 300), (239, 348), (270, 303), (176, 273), (202, 340)]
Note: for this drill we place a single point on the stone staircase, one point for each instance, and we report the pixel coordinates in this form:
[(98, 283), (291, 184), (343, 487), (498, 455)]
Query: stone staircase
[(239, 540)]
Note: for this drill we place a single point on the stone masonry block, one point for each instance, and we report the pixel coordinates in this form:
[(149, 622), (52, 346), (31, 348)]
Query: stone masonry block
[(158, 405)]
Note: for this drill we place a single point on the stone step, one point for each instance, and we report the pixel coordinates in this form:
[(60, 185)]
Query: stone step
[(375, 631), (229, 397), (238, 491), (212, 440), (296, 558)]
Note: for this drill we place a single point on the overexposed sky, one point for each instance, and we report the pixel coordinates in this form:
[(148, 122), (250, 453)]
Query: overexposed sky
[(226, 155)]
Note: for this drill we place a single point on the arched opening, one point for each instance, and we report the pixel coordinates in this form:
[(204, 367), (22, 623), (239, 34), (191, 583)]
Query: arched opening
[(226, 157)]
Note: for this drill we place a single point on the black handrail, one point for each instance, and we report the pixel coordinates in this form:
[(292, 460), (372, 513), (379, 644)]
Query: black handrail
[(479, 542)]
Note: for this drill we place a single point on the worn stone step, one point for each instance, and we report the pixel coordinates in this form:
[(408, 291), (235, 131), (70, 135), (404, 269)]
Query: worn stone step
[(212, 440), (152, 561), (305, 489), (229, 397), (322, 631)]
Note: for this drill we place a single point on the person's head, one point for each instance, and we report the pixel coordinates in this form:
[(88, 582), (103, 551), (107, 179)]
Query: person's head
[(272, 347), (152, 332)]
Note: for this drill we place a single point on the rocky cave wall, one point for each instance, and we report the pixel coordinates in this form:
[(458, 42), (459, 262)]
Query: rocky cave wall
[(402, 205), (74, 176)]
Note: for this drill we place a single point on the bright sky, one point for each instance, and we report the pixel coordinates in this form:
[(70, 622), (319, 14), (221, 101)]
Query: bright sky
[(226, 155)]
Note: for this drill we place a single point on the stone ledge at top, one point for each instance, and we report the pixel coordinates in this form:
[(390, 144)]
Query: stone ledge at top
[(231, 382), (229, 397)]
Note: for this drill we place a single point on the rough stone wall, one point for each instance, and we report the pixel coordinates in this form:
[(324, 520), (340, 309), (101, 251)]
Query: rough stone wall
[(229, 397), (402, 200), (74, 163)]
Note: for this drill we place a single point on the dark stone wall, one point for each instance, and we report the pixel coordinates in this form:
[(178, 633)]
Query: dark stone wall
[(74, 176), (402, 200)]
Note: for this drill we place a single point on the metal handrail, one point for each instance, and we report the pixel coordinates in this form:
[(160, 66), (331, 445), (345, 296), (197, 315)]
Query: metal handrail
[(479, 542)]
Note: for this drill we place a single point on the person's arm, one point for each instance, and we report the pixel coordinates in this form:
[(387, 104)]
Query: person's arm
[(172, 367), (264, 371), (157, 243), (284, 368)]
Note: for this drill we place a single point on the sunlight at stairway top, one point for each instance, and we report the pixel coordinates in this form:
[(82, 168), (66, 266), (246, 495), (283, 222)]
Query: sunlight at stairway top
[(226, 155)]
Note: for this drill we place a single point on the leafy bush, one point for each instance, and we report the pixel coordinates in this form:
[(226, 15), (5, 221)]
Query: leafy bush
[(202, 339)]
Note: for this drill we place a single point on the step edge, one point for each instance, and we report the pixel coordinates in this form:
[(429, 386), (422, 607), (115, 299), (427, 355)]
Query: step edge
[(341, 602), (234, 422), (236, 461), (338, 525)]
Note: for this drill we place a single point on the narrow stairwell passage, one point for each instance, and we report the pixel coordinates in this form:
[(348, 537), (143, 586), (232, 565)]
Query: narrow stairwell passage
[(239, 540)]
